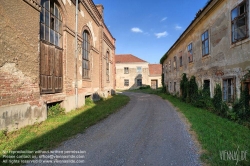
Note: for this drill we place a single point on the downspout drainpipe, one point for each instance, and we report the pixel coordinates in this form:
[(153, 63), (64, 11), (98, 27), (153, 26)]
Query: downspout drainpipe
[(76, 51)]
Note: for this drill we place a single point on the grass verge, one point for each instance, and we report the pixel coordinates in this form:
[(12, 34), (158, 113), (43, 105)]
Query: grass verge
[(224, 142), (50, 133)]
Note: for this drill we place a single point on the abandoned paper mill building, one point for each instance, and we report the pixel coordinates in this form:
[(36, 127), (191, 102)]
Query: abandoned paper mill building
[(215, 48), (39, 62)]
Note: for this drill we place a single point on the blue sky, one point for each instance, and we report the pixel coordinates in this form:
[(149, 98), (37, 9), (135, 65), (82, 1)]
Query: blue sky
[(148, 28)]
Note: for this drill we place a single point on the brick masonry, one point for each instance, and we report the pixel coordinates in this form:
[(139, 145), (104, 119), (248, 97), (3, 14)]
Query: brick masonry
[(21, 101)]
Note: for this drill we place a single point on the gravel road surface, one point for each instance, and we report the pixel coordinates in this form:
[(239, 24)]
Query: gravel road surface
[(148, 131)]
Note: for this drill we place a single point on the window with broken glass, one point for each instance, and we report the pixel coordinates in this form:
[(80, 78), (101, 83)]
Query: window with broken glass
[(239, 22), (205, 43), (51, 23), (190, 52)]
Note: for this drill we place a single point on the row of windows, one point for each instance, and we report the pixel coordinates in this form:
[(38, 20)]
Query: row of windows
[(239, 17), (138, 70), (228, 86), (138, 82)]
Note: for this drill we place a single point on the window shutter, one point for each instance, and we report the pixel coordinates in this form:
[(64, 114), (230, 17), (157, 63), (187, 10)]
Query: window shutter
[(43, 67), (51, 69), (58, 70), (46, 68)]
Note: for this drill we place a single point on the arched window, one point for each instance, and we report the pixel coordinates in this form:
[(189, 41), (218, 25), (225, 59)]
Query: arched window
[(51, 53), (107, 66), (85, 55), (51, 23)]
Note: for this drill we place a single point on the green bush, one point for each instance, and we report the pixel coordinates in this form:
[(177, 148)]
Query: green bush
[(184, 87), (193, 91), (241, 106), (145, 87), (55, 110)]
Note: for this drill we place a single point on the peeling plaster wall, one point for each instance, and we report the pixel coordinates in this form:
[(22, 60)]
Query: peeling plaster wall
[(224, 60)]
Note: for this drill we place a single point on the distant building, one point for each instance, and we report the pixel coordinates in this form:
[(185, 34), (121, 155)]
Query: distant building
[(215, 48), (133, 72), (38, 64), (155, 72)]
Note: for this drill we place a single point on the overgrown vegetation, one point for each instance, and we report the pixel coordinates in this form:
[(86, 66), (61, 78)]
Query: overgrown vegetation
[(55, 110), (56, 129), (240, 111)]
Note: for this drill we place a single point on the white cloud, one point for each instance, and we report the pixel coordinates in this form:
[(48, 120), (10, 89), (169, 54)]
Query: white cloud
[(177, 27), (161, 34), (136, 30), (163, 19)]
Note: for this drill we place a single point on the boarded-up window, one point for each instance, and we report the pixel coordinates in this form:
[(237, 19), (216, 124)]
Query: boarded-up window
[(51, 74)]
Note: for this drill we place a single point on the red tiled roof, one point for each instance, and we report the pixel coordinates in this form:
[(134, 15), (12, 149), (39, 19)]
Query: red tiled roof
[(123, 58), (155, 69)]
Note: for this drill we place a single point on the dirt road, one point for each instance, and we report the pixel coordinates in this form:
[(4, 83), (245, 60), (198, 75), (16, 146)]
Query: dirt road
[(147, 131)]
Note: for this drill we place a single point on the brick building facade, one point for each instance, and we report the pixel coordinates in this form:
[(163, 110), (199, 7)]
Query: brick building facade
[(39, 65), (215, 48)]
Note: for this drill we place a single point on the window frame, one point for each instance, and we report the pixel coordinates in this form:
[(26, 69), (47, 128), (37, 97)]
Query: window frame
[(51, 23), (175, 63), (126, 82), (235, 20), (204, 40), (86, 55), (233, 94), (140, 70), (126, 70), (190, 52), (107, 66), (180, 59)]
